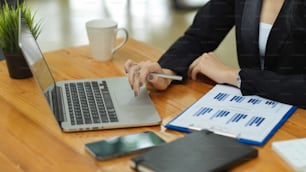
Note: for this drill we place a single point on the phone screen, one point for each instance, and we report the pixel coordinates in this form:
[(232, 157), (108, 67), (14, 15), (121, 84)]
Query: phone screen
[(122, 145)]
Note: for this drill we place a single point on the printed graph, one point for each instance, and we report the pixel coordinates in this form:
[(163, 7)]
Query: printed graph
[(220, 114), (271, 103), (203, 111), (221, 96), (236, 118), (254, 101), (255, 121), (237, 99)]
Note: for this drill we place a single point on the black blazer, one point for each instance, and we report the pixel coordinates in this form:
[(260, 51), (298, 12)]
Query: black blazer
[(283, 77)]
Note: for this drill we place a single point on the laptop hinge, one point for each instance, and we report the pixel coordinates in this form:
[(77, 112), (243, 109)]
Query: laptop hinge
[(57, 103)]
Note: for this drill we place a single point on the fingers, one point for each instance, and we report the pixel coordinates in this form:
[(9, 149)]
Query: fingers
[(138, 74), (137, 83), (133, 71), (195, 67), (209, 65), (130, 68), (191, 69), (201, 64), (194, 72), (128, 64)]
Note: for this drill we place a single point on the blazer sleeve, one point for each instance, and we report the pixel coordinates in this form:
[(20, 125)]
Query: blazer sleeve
[(210, 25), (290, 89)]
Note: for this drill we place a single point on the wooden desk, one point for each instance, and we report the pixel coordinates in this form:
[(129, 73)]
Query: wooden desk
[(30, 139)]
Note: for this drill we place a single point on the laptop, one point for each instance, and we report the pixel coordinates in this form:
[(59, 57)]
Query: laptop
[(89, 104)]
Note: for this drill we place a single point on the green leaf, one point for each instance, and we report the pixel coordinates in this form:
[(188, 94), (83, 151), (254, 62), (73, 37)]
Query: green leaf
[(9, 20)]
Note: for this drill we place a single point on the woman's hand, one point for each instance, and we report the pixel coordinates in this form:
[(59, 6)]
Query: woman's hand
[(208, 64), (139, 74)]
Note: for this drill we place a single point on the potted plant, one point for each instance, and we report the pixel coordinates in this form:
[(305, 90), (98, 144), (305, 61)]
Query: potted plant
[(9, 21)]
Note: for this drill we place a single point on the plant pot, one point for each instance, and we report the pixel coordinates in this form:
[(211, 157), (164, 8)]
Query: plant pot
[(17, 66)]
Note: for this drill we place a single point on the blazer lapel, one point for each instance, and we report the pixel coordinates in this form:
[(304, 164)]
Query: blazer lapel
[(277, 36), (249, 33)]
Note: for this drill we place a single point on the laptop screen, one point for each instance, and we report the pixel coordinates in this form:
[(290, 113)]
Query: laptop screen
[(34, 56)]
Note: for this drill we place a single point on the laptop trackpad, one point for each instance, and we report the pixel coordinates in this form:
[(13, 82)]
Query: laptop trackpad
[(127, 98)]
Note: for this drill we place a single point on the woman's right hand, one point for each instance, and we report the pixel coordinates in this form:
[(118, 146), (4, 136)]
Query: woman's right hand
[(139, 74)]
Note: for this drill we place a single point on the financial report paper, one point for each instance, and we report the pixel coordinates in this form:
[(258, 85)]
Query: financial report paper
[(223, 110)]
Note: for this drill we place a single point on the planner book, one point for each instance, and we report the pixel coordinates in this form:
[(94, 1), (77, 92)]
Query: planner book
[(223, 110), (197, 151)]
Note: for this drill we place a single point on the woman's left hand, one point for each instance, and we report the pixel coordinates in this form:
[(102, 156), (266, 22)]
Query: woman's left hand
[(208, 64)]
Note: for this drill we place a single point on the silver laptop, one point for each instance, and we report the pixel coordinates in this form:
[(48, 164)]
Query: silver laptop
[(89, 104)]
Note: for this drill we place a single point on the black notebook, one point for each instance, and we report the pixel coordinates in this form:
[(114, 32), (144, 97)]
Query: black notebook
[(199, 151)]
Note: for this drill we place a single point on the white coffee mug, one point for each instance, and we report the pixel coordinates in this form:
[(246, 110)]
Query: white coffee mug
[(102, 34)]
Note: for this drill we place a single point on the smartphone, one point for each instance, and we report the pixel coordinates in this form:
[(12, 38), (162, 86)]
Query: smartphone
[(123, 145)]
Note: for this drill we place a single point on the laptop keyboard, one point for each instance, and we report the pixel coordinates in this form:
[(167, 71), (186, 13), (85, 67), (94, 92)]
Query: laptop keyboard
[(90, 102)]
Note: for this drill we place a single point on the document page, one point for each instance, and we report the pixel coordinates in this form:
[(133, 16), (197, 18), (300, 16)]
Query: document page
[(225, 111)]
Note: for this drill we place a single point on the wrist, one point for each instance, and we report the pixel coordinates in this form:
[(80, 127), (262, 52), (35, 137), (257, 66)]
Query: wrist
[(238, 80), (233, 78)]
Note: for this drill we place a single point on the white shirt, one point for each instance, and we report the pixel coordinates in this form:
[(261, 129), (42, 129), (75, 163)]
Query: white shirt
[(264, 31)]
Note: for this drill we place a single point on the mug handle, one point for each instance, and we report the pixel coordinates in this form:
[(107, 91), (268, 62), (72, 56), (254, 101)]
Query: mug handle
[(126, 35)]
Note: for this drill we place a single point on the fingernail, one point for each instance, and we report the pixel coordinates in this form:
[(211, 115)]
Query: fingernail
[(135, 94), (149, 77)]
